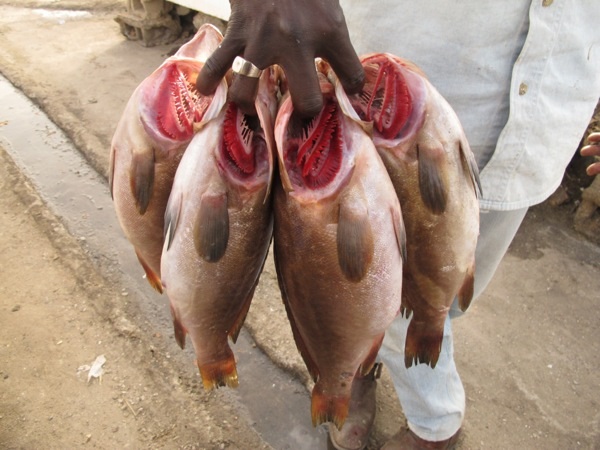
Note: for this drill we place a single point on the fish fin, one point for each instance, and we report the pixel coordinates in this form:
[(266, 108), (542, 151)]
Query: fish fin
[(465, 294), (423, 341), (406, 308), (141, 178), (400, 231), (355, 244), (311, 366), (313, 370), (153, 277), (239, 322), (219, 373), (211, 228), (202, 44), (172, 213), (431, 184), (241, 318), (369, 361), (469, 161), (266, 119), (329, 408), (178, 328)]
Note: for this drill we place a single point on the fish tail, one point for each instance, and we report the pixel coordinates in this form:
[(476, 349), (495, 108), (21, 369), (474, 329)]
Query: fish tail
[(219, 373), (328, 408), (151, 275), (423, 343)]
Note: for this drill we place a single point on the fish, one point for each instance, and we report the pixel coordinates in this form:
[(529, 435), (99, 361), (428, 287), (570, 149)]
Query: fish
[(218, 229), (427, 156), (154, 130), (338, 246)]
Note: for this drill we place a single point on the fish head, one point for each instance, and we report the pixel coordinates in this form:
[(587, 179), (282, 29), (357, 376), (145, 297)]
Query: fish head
[(169, 105), (246, 149), (315, 155), (206, 40), (393, 97)]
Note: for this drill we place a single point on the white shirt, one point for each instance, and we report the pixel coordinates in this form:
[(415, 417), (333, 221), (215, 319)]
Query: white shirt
[(523, 77)]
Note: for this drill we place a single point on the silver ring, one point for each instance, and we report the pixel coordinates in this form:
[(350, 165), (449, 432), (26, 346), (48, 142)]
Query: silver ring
[(246, 68)]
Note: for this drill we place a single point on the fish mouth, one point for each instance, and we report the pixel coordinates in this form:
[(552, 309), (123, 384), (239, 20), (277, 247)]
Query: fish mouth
[(386, 99), (171, 104), (243, 145), (313, 156)]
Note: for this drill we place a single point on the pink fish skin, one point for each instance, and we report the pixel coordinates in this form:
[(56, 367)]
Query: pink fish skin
[(151, 136), (338, 244), (428, 158), (218, 226)]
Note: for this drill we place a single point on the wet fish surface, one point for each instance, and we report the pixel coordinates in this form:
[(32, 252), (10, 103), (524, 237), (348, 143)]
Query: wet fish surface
[(430, 163), (218, 226), (155, 128), (338, 244)]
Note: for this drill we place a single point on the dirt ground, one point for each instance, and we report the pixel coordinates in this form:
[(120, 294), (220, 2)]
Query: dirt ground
[(527, 351)]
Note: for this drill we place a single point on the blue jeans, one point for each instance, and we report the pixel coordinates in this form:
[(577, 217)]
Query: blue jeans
[(433, 400)]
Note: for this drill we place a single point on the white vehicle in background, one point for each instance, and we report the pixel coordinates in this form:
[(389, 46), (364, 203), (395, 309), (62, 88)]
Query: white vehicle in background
[(159, 22)]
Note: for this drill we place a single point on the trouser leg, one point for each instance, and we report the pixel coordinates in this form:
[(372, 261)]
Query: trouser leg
[(433, 400)]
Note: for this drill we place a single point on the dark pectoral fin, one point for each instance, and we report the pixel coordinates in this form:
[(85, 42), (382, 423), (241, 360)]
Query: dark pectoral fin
[(211, 228), (431, 184), (142, 180), (354, 242)]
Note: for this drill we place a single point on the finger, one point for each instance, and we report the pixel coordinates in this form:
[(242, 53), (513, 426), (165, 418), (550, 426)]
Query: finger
[(303, 83), (244, 88), (593, 169), (243, 93), (590, 150), (594, 137), (346, 64), (217, 65)]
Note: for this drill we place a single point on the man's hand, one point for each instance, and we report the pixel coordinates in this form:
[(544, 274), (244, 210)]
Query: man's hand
[(592, 149), (289, 33)]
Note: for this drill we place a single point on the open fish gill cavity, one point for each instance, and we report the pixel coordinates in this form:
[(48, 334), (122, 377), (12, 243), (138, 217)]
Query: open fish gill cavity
[(277, 405)]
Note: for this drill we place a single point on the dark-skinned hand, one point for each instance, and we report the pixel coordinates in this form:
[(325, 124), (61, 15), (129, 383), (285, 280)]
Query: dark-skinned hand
[(289, 33), (592, 149)]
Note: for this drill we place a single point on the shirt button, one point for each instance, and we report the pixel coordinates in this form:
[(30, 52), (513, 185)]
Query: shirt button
[(547, 2), (522, 89)]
